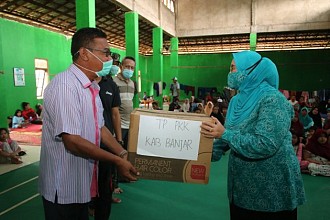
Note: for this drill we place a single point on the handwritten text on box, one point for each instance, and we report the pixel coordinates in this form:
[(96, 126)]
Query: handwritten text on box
[(168, 138)]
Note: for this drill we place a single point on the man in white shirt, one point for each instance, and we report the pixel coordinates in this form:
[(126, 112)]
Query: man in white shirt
[(175, 88)]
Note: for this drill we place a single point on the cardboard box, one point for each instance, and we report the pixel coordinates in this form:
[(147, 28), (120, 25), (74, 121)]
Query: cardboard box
[(185, 155)]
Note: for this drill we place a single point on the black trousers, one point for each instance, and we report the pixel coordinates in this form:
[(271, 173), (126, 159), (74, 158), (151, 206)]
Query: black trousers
[(237, 213), (102, 208), (74, 211), (102, 203), (124, 134)]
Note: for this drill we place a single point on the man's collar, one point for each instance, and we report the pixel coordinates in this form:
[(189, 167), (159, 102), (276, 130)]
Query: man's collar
[(81, 76)]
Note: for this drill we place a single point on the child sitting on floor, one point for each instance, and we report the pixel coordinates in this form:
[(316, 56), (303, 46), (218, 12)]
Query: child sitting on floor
[(317, 153), (18, 120), (298, 147), (10, 152)]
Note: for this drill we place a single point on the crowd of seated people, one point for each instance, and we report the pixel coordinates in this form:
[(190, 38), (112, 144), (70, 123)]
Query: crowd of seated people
[(310, 135), (22, 118), (309, 127), (215, 106)]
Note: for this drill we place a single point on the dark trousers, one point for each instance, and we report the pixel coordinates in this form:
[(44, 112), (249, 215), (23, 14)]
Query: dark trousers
[(124, 133), (102, 203), (237, 213), (102, 208), (74, 211)]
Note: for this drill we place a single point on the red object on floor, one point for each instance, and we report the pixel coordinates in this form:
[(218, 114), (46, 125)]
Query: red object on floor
[(29, 128), (31, 135)]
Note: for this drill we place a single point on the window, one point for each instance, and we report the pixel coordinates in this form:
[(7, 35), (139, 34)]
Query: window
[(42, 76), (169, 4)]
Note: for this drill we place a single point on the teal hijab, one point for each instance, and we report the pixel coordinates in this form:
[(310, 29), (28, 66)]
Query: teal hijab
[(260, 76), (305, 120)]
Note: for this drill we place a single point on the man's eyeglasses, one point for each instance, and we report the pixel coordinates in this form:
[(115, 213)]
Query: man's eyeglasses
[(107, 52)]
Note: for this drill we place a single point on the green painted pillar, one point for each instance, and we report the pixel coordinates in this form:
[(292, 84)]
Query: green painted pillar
[(157, 46), (132, 45), (85, 13), (174, 57), (253, 41)]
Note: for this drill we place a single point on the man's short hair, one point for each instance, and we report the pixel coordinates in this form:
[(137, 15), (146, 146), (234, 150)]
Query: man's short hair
[(24, 104), (84, 37), (128, 58)]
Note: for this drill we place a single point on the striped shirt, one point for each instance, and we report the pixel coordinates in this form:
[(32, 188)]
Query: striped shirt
[(71, 105), (126, 96)]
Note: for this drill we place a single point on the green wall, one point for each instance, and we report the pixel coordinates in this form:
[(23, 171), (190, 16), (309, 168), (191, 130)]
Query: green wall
[(3, 105), (302, 69), (20, 44), (299, 70)]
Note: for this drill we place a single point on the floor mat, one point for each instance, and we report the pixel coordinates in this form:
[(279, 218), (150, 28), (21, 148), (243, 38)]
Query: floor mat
[(31, 135)]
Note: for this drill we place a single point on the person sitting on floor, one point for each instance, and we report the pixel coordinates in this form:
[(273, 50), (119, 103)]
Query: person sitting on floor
[(155, 106), (316, 117), (193, 104), (29, 114), (317, 153), (217, 114), (9, 150), (186, 105), (309, 133), (10, 121), (39, 110), (199, 109), (18, 120), (174, 106), (296, 126), (305, 119), (298, 148)]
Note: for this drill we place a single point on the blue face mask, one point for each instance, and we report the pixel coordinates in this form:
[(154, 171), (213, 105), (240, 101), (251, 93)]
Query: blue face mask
[(127, 73), (235, 79), (114, 70), (106, 66)]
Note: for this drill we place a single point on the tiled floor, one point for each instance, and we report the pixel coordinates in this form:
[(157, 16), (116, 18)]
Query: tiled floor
[(32, 155)]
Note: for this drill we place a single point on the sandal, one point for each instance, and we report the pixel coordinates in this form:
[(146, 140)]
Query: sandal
[(116, 200), (21, 153), (118, 190)]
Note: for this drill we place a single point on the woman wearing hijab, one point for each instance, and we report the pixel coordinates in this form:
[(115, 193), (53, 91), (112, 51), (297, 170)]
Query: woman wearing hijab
[(296, 126), (186, 105), (208, 108), (316, 116), (217, 114), (264, 179), (305, 119), (317, 153)]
